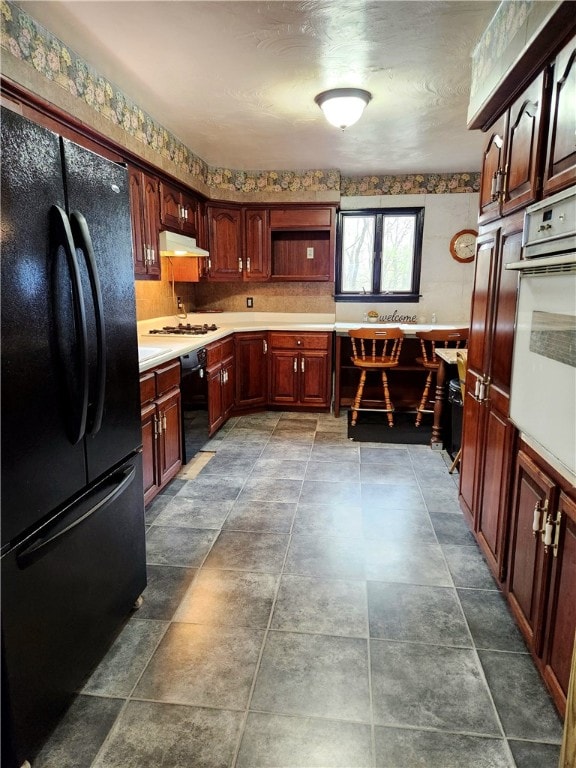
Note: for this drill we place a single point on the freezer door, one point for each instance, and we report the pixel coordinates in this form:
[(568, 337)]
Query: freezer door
[(66, 592), (99, 210), (43, 465)]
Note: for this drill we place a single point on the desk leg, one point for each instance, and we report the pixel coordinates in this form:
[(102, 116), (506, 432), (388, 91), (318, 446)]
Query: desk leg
[(436, 441), (337, 362)]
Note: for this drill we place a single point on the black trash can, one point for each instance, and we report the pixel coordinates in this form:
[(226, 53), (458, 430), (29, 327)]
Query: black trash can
[(456, 404)]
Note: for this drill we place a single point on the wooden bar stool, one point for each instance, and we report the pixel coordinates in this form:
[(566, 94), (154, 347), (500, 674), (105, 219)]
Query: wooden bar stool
[(429, 341), (375, 350)]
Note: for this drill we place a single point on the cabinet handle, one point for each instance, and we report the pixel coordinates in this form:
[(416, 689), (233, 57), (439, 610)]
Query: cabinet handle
[(164, 422), (209, 264), (536, 529), (239, 265), (157, 427), (265, 346), (152, 256), (146, 255), (557, 533), (185, 212), (248, 264), (295, 365), (302, 364), (494, 188)]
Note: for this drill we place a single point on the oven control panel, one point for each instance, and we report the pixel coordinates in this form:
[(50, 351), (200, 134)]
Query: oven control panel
[(550, 225)]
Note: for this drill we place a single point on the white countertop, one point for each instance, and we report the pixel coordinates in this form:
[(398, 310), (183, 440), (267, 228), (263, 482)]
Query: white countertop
[(155, 350)]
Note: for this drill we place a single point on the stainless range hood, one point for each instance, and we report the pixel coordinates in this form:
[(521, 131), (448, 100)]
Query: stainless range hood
[(173, 244)]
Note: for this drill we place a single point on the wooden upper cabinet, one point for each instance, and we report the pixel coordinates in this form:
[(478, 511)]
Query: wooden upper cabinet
[(524, 144), (302, 218), (560, 169), (178, 210), (479, 342), (225, 243), (492, 171), (256, 261), (144, 205)]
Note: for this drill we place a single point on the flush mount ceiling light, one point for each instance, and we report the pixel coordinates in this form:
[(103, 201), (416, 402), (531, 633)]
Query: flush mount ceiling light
[(343, 107)]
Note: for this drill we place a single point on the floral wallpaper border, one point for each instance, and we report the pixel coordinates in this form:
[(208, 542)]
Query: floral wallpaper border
[(25, 39), (505, 25)]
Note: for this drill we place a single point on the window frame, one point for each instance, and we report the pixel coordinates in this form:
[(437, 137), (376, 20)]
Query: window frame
[(413, 295)]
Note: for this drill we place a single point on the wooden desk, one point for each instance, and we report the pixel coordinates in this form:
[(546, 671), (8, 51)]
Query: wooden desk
[(447, 357)]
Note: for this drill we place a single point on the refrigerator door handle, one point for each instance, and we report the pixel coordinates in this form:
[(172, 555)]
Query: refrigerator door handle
[(61, 235), (83, 241), (35, 550)]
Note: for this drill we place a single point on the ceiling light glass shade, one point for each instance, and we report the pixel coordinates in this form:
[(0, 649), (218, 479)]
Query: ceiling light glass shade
[(343, 107)]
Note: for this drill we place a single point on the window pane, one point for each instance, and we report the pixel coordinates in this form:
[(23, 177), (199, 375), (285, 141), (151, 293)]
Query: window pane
[(397, 253), (357, 254)]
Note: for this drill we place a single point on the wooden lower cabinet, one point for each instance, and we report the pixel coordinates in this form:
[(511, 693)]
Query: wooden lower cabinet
[(541, 585), (300, 369), (220, 374), (561, 615), (161, 427), (251, 351)]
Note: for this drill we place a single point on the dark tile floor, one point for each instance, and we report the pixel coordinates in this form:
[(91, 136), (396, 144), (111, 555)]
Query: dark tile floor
[(312, 602)]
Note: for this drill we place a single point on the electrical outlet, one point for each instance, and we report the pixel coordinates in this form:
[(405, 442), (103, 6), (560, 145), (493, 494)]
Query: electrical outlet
[(309, 253), (249, 302)]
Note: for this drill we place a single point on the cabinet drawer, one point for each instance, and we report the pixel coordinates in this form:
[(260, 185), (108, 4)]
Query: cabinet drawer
[(297, 341), (300, 217), (227, 348), (167, 377), (219, 351), (147, 387)]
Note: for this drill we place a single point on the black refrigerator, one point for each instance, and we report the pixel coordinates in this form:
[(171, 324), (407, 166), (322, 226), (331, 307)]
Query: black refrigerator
[(73, 545)]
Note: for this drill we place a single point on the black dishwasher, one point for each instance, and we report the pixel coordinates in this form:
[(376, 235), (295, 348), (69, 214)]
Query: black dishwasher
[(194, 391)]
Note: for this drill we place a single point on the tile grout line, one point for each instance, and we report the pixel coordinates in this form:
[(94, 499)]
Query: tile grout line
[(242, 727)]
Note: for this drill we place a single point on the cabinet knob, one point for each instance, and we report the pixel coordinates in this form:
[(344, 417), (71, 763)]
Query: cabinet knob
[(299, 342)]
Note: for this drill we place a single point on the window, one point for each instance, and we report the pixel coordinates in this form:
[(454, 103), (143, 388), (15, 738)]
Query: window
[(379, 254)]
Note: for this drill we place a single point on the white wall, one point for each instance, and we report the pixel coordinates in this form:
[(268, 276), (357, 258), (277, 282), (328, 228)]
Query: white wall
[(445, 284)]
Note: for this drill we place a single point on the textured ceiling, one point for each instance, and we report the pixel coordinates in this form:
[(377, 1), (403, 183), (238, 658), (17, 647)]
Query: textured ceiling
[(236, 81)]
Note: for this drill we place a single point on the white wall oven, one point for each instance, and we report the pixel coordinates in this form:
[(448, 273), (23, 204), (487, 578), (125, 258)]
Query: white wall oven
[(543, 392)]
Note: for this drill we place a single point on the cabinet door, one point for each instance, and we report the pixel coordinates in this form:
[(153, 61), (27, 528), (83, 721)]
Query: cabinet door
[(256, 244), (562, 609), (136, 181), (524, 148), (170, 416), (314, 377), (251, 369), (228, 387), (283, 377), (225, 243), (472, 449), (560, 169), (170, 206), (149, 458), (492, 172), (528, 566), (215, 417), (505, 297), (189, 223), (151, 203), (492, 503), (479, 342)]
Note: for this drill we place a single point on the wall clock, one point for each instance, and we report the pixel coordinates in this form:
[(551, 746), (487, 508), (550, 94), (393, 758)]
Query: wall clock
[(463, 245)]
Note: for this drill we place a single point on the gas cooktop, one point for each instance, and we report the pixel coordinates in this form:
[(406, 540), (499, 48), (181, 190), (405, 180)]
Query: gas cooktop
[(183, 330)]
